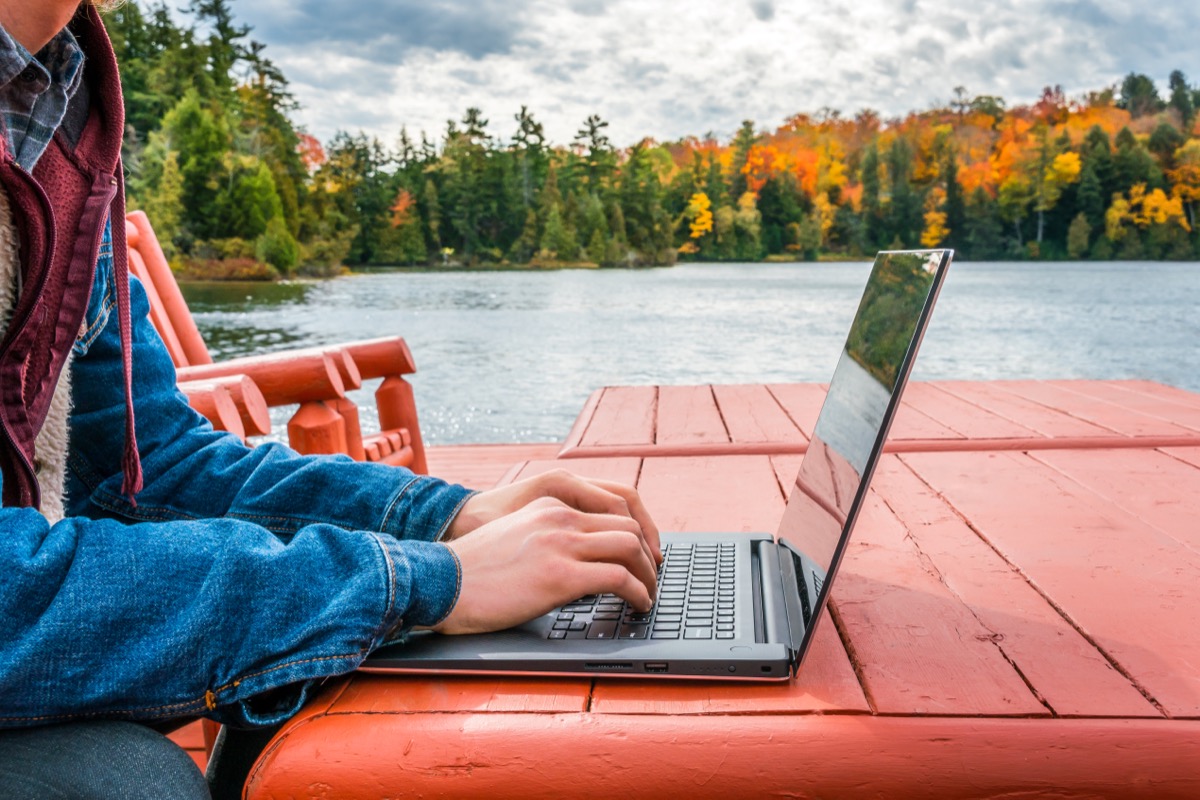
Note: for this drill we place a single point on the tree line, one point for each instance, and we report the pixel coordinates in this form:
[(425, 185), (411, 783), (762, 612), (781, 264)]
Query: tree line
[(236, 189)]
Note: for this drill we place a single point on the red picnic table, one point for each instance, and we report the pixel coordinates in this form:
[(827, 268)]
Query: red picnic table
[(1018, 613)]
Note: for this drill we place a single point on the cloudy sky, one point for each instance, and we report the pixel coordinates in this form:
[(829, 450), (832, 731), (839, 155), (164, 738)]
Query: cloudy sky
[(672, 68)]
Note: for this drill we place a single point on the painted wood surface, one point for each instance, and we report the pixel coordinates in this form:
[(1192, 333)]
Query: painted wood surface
[(941, 415), (578, 755), (1016, 622)]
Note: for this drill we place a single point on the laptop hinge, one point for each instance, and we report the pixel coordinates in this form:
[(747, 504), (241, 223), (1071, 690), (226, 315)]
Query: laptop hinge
[(795, 599)]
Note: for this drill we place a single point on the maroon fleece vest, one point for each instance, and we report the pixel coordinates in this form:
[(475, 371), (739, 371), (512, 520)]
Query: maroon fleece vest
[(59, 212)]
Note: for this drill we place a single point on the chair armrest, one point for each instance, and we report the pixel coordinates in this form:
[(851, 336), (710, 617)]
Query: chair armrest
[(297, 376), (379, 358), (214, 403), (247, 399)]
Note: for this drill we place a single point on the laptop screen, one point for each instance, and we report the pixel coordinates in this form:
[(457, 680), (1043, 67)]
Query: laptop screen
[(862, 398)]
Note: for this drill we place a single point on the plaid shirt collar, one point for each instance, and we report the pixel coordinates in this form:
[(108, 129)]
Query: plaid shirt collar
[(34, 92)]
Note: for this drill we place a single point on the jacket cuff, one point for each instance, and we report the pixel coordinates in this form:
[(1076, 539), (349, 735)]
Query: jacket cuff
[(423, 509), (426, 580)]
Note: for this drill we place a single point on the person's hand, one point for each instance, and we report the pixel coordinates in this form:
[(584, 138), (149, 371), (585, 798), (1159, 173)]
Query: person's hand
[(585, 494), (543, 555)]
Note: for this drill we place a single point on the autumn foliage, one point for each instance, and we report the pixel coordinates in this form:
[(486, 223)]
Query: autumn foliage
[(216, 160)]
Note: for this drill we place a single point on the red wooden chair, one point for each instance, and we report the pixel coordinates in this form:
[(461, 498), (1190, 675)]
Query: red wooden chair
[(315, 378)]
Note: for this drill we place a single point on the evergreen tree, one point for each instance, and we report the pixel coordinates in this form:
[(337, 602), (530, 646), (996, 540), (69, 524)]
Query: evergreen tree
[(1181, 99), (956, 211), (872, 206), (743, 143), (1139, 95), (984, 235)]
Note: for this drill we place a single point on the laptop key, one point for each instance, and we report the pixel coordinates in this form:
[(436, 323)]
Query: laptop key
[(698, 633), (602, 629), (664, 634), (724, 635), (634, 631), (558, 634)]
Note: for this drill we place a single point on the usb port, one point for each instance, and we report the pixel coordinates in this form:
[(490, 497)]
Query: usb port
[(656, 666)]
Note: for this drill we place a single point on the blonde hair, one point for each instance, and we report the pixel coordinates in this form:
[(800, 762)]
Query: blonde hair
[(106, 5)]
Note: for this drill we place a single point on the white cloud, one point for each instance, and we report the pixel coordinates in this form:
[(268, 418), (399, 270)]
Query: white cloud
[(677, 67)]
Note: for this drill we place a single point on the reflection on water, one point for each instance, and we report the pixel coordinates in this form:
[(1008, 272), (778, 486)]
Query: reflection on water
[(231, 295), (512, 356)]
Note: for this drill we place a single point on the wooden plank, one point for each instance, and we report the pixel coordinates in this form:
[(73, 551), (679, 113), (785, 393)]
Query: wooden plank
[(1188, 455), (1163, 390), (1152, 486), (912, 424), (1154, 404), (917, 647), (582, 420), (826, 683), (731, 493), (1048, 422), (624, 415), (965, 419), (481, 466), (1060, 395), (621, 470), (412, 694), (801, 401), (688, 415), (1124, 584), (1064, 669), (584, 756), (753, 415)]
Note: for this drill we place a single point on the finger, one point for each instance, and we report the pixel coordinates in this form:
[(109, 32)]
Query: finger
[(600, 577), (608, 497), (551, 513), (622, 548), (637, 509)]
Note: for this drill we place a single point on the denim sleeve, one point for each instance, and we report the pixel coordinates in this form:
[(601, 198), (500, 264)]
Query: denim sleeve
[(241, 576)]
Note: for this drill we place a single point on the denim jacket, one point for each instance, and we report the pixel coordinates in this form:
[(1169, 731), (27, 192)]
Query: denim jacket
[(241, 577)]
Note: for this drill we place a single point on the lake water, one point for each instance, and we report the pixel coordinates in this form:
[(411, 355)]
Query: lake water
[(512, 356)]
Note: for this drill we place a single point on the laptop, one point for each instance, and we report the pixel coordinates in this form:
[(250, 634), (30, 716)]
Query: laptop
[(735, 605)]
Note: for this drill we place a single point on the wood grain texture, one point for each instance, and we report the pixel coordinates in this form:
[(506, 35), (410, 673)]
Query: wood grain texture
[(481, 466), (753, 415), (826, 683), (801, 401), (1127, 586), (625, 415), (1063, 669), (918, 648), (731, 493), (1065, 396), (1049, 422), (621, 470), (551, 756), (1148, 484), (1188, 455), (400, 694), (688, 415), (1177, 410), (966, 419)]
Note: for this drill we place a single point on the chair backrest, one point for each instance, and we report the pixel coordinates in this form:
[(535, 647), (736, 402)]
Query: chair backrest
[(169, 312)]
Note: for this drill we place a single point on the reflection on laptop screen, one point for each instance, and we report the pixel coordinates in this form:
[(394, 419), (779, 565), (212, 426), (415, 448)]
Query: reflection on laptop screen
[(851, 426)]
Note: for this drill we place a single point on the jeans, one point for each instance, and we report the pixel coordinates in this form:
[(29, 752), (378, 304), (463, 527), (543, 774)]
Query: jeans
[(90, 760)]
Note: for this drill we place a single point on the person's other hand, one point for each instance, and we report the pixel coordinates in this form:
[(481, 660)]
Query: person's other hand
[(584, 494), (543, 555)]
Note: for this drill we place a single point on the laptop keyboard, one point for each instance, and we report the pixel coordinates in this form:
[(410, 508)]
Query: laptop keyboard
[(696, 600)]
